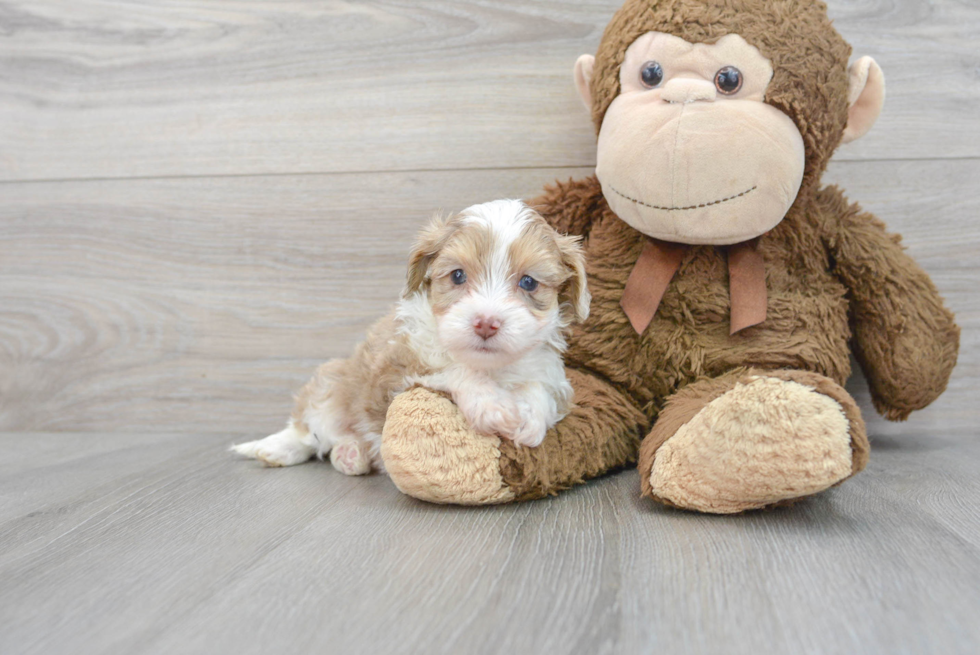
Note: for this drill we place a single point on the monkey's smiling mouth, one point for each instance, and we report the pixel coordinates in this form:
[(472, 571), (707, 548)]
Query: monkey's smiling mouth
[(701, 206)]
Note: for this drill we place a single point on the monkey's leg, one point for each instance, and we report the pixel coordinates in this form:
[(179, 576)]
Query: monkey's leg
[(750, 439), (431, 453)]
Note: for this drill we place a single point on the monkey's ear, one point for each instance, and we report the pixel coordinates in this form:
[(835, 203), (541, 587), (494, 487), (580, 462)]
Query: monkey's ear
[(583, 79), (865, 95)]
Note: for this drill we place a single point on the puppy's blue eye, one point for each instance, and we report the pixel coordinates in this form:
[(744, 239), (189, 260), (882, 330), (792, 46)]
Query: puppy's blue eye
[(528, 283), (459, 276)]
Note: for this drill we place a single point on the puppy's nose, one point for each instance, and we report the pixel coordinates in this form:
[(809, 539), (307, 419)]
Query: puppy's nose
[(486, 326)]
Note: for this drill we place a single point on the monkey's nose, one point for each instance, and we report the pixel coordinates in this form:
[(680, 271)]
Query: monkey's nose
[(486, 326), (684, 90)]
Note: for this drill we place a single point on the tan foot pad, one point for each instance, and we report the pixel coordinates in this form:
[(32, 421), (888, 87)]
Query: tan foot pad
[(764, 441), (431, 453)]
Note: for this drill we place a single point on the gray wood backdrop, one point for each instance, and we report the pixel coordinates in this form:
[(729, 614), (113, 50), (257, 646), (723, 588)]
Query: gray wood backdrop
[(200, 201)]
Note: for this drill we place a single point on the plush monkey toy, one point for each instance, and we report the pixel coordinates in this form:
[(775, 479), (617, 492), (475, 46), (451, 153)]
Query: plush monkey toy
[(729, 287)]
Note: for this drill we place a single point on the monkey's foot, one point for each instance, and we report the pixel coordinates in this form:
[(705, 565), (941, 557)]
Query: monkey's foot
[(430, 452), (752, 439)]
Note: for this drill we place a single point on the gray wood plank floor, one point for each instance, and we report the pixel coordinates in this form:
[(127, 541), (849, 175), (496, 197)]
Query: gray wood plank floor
[(133, 543)]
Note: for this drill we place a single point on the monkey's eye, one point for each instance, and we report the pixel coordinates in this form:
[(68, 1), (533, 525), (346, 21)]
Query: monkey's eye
[(651, 74), (458, 276), (728, 80), (528, 283)]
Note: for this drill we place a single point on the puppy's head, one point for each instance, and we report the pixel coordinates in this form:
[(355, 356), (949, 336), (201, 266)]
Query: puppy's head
[(500, 282)]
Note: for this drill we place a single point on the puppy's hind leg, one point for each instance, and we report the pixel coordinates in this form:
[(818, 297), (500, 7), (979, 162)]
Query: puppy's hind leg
[(351, 457), (291, 446)]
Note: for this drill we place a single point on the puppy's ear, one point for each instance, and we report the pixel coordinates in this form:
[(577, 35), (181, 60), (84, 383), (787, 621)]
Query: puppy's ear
[(431, 240), (575, 293)]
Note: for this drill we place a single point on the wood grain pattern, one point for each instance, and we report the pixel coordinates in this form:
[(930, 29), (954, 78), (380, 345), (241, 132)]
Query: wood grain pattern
[(164, 301), (120, 88), (201, 305), (141, 544)]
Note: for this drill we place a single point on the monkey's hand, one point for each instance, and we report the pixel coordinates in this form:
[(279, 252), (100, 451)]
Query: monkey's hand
[(432, 452), (904, 337)]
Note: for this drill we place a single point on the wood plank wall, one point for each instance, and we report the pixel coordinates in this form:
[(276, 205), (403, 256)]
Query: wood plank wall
[(201, 200)]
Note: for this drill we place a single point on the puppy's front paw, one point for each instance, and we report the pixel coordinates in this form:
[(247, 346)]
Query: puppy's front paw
[(531, 431), (351, 458), (491, 414)]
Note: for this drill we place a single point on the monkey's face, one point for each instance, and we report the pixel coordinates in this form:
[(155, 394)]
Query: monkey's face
[(689, 151)]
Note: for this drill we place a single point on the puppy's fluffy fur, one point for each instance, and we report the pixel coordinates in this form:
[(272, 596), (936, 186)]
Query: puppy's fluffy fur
[(489, 296)]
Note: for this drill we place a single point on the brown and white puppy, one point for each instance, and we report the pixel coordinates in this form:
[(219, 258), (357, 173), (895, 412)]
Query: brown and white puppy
[(489, 296)]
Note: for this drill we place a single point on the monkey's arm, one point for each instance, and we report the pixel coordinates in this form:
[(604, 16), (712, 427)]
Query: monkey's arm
[(904, 337), (570, 207)]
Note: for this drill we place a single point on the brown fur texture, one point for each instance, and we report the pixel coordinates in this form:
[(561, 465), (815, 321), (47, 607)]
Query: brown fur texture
[(835, 278), (601, 432)]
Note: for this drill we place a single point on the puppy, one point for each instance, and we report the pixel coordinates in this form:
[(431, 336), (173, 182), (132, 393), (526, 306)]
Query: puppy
[(489, 297)]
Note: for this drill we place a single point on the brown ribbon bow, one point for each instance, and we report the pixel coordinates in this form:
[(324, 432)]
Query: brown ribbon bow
[(659, 262)]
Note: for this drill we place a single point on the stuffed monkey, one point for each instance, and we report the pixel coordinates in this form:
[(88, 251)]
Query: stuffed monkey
[(729, 287)]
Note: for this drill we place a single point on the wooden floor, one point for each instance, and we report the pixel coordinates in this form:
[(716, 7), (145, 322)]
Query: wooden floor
[(200, 200), (136, 543)]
